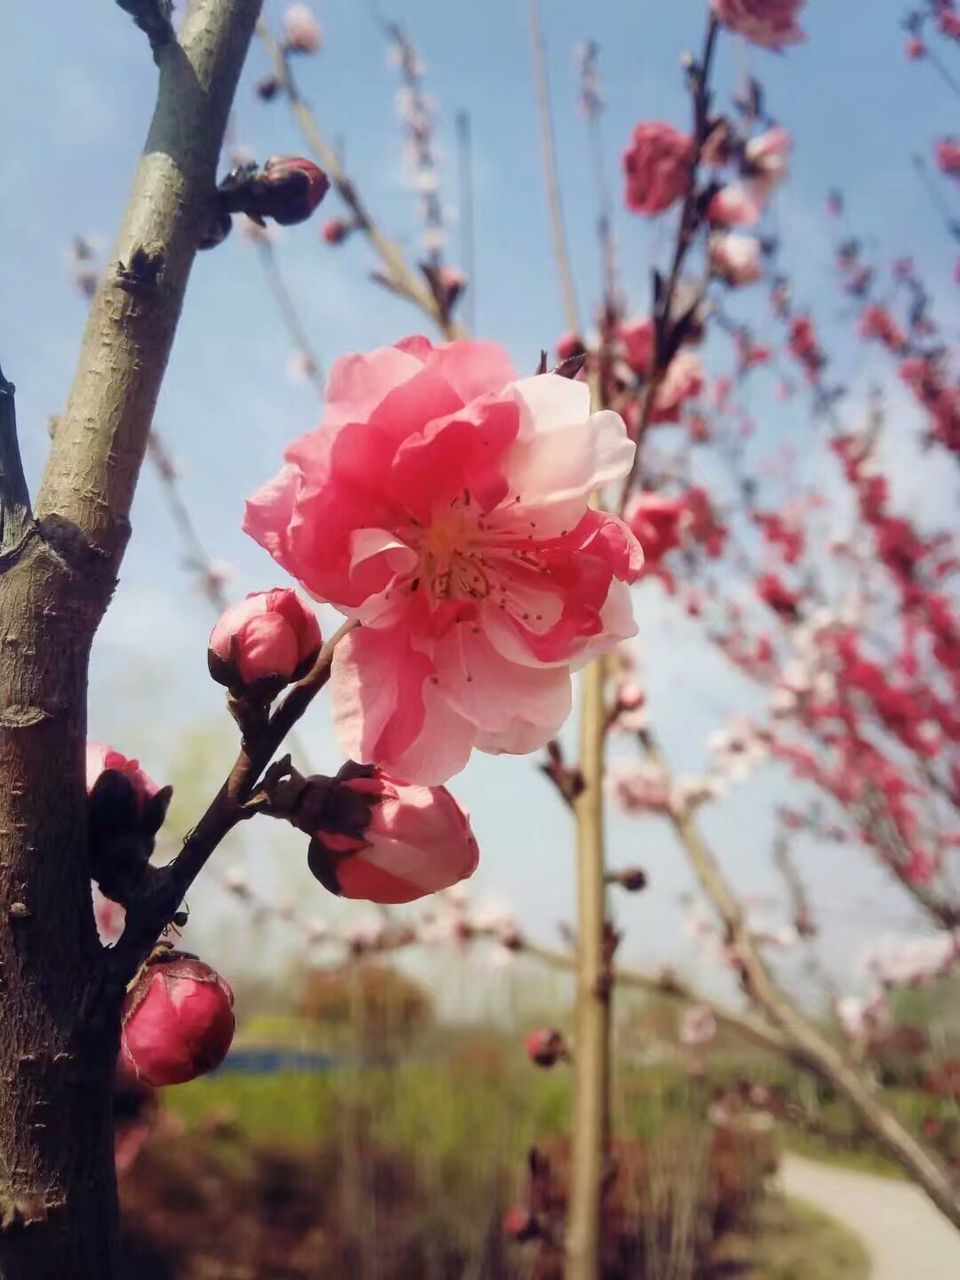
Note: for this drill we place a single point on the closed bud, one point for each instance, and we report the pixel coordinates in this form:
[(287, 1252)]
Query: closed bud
[(546, 1046), (336, 230), (382, 840), (263, 643), (520, 1224), (633, 879), (125, 810), (177, 1021), (289, 189), (268, 88)]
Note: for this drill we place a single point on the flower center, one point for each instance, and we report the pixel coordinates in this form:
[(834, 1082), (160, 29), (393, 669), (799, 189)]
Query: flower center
[(451, 557)]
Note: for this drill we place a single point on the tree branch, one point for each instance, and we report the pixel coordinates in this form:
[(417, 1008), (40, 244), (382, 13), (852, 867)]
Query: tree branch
[(16, 517), (809, 1046), (398, 273), (153, 17), (149, 914), (98, 449)]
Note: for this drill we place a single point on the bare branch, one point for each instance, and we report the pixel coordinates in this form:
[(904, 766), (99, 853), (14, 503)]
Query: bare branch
[(548, 146), (398, 273), (153, 17), (16, 517), (809, 1046), (98, 449)]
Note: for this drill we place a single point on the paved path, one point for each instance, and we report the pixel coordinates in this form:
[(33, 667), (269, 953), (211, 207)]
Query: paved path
[(906, 1237)]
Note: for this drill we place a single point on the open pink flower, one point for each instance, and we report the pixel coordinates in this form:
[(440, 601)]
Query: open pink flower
[(767, 160), (734, 259), (734, 206), (682, 381), (656, 166), (444, 504), (770, 23)]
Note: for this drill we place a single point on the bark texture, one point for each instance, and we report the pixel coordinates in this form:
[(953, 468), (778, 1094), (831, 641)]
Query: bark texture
[(57, 574)]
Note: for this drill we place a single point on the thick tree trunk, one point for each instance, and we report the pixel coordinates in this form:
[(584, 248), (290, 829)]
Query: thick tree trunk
[(57, 1196)]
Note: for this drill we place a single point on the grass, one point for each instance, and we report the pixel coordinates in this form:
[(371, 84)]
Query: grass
[(860, 1159), (792, 1241)]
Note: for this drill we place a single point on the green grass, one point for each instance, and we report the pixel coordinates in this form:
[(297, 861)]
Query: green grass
[(861, 1160), (791, 1241)]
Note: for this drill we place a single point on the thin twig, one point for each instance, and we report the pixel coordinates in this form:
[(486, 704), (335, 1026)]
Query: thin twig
[(686, 235), (290, 314), (548, 148), (398, 272), (150, 914)]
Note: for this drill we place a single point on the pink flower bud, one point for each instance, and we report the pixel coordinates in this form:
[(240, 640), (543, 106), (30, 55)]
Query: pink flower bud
[(290, 188), (336, 230), (263, 643), (177, 1021), (546, 1046), (570, 345), (383, 840), (102, 759), (302, 32), (520, 1224)]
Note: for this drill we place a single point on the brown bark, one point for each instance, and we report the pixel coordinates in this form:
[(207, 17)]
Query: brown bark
[(57, 1198)]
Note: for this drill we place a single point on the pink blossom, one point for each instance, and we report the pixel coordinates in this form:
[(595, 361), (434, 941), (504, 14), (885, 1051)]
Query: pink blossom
[(734, 206), (657, 524), (948, 156), (949, 24), (915, 49), (177, 1021), (697, 1027), (301, 30), (735, 259), (770, 23), (545, 1047), (101, 758), (767, 158), (265, 641), (657, 167), (444, 504), (683, 381), (637, 337), (408, 841)]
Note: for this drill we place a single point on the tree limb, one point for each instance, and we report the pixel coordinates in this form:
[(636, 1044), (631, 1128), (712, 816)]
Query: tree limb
[(152, 17), (16, 517)]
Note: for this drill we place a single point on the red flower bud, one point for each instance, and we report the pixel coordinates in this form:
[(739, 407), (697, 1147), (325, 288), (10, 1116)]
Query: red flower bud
[(633, 879), (336, 230), (177, 1021), (290, 188), (125, 811), (546, 1046), (520, 1224), (383, 840), (570, 345), (102, 759), (263, 643)]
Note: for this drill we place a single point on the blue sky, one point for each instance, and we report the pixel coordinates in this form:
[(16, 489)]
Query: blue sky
[(76, 95)]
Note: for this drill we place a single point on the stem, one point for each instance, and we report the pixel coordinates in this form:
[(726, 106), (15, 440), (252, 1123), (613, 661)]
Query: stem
[(548, 146), (149, 915), (290, 315), (57, 1193), (400, 275), (686, 235), (591, 1070)]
